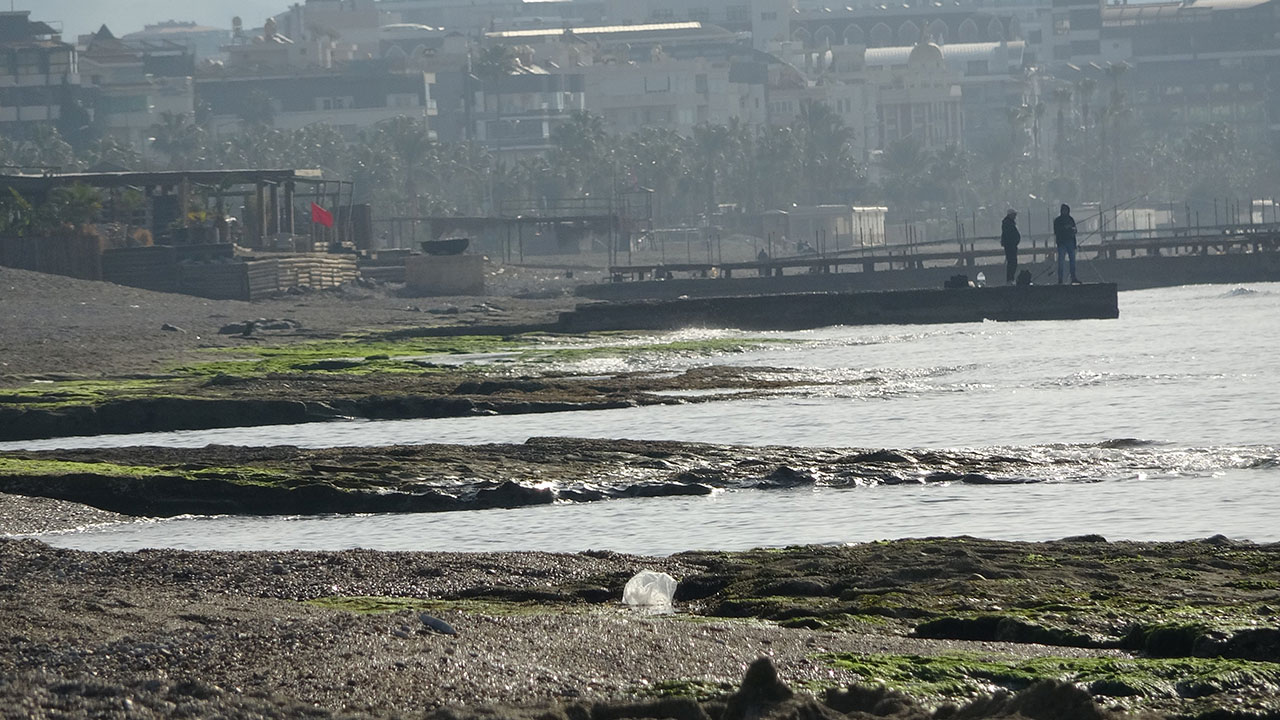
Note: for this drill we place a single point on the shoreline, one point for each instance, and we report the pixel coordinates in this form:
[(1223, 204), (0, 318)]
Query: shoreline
[(1078, 627), (286, 480)]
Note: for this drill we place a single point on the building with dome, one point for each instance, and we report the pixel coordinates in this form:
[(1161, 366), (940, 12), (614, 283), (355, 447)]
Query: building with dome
[(920, 97)]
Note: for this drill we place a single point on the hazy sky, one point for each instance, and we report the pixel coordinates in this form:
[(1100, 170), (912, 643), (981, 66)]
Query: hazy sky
[(125, 16)]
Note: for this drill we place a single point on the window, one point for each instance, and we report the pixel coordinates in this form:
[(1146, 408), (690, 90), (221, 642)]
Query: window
[(738, 13), (1085, 47), (766, 16), (700, 83), (656, 85), (1086, 19), (700, 14), (335, 103)]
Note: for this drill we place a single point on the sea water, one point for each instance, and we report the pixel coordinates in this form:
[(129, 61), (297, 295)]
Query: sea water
[(1167, 418)]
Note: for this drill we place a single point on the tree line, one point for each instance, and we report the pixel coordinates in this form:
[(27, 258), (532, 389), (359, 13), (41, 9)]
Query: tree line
[(1100, 153)]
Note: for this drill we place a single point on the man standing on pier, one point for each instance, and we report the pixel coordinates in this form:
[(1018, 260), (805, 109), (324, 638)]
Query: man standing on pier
[(1064, 235), (1009, 239)]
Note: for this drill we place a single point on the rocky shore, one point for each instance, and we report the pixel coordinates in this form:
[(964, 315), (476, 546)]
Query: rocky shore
[(163, 482), (84, 358), (944, 623), (912, 629)]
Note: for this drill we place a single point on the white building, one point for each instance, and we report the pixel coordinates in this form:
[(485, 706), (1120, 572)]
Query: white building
[(671, 94), (919, 97)]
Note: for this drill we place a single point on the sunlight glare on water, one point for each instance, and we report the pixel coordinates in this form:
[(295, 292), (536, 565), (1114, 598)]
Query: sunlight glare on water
[(1189, 365), (1188, 372)]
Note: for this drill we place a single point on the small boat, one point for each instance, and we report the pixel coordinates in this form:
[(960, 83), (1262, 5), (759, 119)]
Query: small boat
[(446, 246)]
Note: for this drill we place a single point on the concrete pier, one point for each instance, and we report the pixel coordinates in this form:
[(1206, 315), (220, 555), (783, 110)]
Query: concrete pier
[(800, 311), (1128, 273)]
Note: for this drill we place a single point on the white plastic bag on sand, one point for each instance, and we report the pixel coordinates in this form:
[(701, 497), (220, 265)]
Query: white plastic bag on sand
[(649, 589)]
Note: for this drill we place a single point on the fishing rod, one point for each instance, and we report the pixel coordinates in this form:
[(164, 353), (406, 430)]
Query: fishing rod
[(1099, 229), (1100, 216)]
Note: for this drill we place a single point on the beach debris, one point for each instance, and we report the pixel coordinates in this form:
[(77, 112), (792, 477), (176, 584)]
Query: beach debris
[(172, 328), (248, 327), (436, 624), (649, 589), (760, 692)]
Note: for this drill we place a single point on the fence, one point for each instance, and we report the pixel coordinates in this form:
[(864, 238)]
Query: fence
[(71, 255)]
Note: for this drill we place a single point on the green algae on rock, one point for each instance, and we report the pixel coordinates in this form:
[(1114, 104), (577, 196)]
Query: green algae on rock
[(382, 379), (1142, 682)]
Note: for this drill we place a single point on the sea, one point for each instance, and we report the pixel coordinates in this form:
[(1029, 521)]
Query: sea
[(1160, 425)]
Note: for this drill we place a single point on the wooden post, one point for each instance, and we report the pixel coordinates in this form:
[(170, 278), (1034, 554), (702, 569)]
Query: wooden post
[(288, 207), (260, 197)]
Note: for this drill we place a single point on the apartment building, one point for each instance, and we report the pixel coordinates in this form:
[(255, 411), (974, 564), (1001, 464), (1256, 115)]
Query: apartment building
[(1175, 65), (515, 116), (40, 77), (350, 98), (133, 82)]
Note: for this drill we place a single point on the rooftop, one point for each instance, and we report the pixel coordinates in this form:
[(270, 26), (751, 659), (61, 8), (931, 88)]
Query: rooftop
[(596, 30)]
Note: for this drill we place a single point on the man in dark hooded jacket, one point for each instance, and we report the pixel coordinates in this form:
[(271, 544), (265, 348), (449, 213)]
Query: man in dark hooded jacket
[(1064, 235), (1009, 239)]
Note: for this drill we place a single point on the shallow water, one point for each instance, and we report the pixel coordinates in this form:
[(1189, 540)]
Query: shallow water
[(1241, 503), (1188, 371)]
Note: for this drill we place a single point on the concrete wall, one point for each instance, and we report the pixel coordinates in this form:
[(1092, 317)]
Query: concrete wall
[(810, 310), (444, 274)]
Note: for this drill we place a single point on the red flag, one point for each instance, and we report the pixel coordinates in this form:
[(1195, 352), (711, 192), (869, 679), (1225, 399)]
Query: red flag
[(321, 216)]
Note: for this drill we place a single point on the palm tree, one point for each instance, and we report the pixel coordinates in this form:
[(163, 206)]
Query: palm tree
[(319, 145), (1084, 92), (1037, 114), (409, 142), (257, 110), (778, 167), (826, 142), (904, 162), (580, 153), (258, 146), (713, 146), (1114, 72), (948, 174), (492, 65), (77, 204), (109, 151), (45, 148), (1062, 99), (653, 158), (178, 137)]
